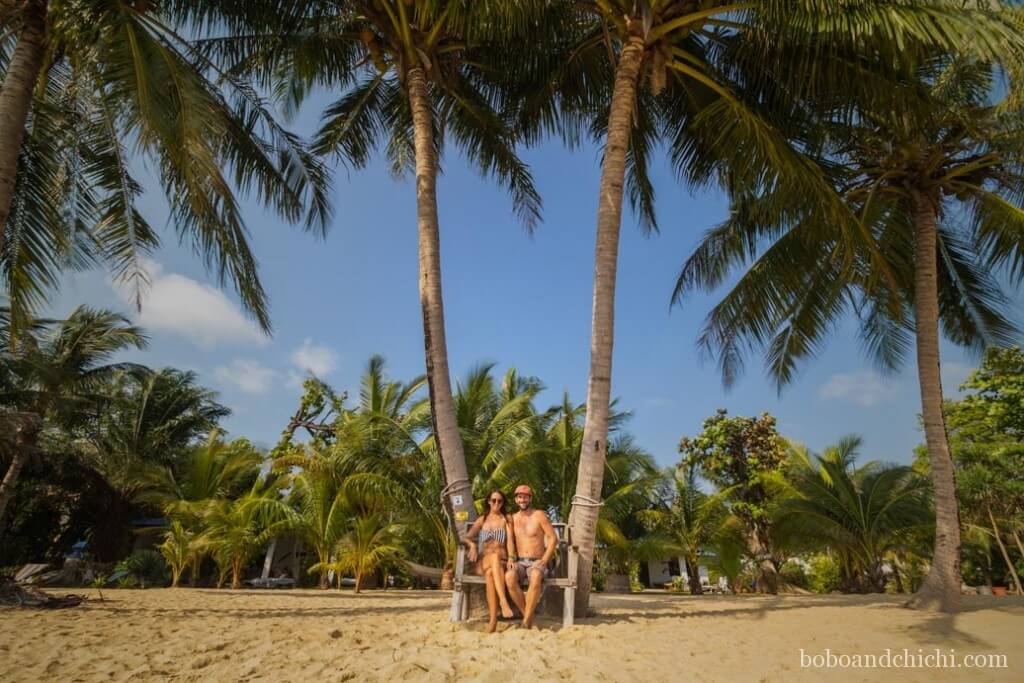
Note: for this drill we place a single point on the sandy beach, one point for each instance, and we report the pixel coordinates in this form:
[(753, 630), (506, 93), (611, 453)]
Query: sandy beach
[(209, 635)]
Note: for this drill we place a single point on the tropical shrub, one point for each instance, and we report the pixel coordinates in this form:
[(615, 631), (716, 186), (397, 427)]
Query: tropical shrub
[(146, 568), (824, 574)]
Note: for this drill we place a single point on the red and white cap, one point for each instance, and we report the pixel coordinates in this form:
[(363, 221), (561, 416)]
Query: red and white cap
[(523, 488)]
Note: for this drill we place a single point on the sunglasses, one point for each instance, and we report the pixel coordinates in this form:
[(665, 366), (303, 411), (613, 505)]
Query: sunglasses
[(496, 500)]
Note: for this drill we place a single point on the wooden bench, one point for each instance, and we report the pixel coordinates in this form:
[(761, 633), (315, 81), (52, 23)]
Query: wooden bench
[(566, 563)]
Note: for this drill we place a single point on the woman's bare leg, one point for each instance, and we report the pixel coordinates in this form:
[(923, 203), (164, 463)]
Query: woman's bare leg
[(492, 602), (498, 576)]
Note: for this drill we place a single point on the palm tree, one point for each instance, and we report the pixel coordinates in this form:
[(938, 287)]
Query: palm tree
[(213, 471), (373, 541), (413, 75), (235, 531), (698, 78), (62, 371), (859, 513), (694, 521), (931, 184), (87, 87), (156, 415), (322, 509), (499, 428), (177, 550)]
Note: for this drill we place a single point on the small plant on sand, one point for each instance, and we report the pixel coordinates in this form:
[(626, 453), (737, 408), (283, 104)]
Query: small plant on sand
[(177, 550), (98, 583)]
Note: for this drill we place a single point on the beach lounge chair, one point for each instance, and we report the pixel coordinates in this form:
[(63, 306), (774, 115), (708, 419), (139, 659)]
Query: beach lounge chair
[(565, 577), (271, 582), (28, 571)]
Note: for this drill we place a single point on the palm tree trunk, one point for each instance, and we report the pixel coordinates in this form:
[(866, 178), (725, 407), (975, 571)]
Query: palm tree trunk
[(176, 576), (236, 574), (26, 433), (897, 575), (1020, 546), (590, 477), (693, 576), (359, 582), (941, 588), (16, 100), (442, 406), (1002, 549)]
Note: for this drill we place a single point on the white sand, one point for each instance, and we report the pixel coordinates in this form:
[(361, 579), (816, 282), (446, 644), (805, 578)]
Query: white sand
[(208, 635)]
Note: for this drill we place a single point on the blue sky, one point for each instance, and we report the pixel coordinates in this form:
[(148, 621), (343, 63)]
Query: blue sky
[(510, 299)]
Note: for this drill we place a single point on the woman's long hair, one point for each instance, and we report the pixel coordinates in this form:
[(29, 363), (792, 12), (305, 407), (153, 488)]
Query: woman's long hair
[(504, 504)]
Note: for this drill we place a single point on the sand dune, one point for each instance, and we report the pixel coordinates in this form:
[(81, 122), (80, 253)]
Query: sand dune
[(208, 635)]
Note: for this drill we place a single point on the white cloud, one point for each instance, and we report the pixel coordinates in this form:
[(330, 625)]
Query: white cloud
[(863, 388), (246, 375), (315, 358), (198, 312)]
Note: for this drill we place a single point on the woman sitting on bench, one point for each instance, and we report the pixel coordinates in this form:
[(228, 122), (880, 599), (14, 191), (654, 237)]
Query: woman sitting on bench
[(494, 532)]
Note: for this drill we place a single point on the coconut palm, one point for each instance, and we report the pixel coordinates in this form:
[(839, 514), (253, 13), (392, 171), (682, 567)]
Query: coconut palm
[(696, 78), (155, 415), (693, 521), (235, 531), (859, 513), (207, 473), (373, 541), (936, 186), (90, 86), (177, 550), (412, 76), (322, 510), (499, 428), (62, 371)]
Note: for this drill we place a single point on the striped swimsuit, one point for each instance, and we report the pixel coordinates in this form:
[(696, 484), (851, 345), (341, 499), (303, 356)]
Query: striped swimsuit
[(497, 535)]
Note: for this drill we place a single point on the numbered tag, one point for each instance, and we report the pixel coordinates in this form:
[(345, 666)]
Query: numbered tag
[(456, 500)]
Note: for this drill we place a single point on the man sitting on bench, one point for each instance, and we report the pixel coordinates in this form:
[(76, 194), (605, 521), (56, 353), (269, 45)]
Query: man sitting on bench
[(536, 542)]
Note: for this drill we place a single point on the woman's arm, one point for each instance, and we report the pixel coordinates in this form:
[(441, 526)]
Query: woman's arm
[(470, 538)]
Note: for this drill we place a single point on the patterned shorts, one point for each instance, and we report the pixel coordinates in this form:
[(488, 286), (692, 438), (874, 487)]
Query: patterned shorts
[(523, 565)]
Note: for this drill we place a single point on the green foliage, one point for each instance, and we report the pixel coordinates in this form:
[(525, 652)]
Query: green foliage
[(794, 575), (177, 550), (824, 574), (858, 513), (146, 568), (372, 542), (741, 455), (122, 83)]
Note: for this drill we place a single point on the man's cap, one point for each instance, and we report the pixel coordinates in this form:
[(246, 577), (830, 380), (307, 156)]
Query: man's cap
[(523, 488)]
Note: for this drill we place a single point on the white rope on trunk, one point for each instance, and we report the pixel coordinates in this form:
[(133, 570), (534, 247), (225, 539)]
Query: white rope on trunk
[(584, 501)]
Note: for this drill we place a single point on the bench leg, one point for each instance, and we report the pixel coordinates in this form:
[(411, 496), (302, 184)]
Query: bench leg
[(568, 607), (465, 605), (458, 598)]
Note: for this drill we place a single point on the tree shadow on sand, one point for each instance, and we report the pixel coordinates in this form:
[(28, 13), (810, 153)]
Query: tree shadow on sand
[(626, 608)]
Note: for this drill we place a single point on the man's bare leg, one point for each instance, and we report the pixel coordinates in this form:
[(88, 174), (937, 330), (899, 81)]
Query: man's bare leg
[(533, 593), (497, 574), (492, 601), (514, 591)]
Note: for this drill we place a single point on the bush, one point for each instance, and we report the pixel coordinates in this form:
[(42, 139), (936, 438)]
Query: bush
[(599, 578), (146, 568), (635, 584), (824, 575), (793, 574), (679, 585)]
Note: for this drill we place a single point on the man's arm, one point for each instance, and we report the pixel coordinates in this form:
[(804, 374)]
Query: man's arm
[(510, 541), (550, 537)]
